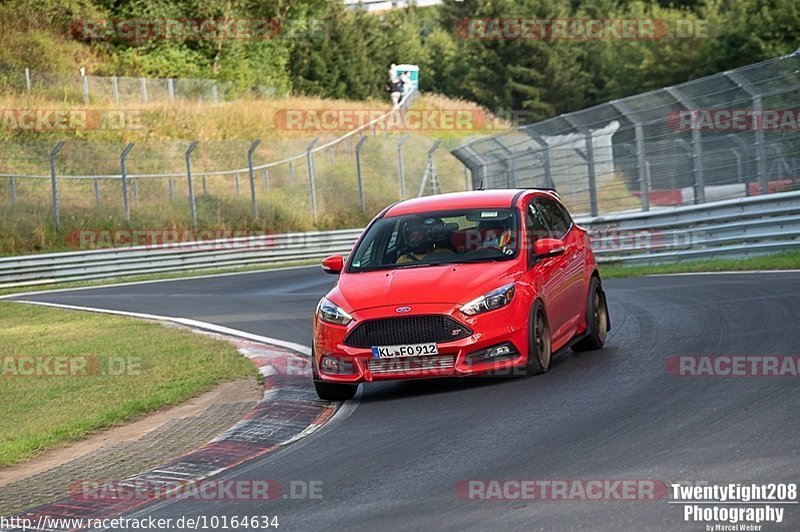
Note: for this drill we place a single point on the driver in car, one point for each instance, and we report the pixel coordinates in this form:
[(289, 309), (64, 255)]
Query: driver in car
[(420, 240)]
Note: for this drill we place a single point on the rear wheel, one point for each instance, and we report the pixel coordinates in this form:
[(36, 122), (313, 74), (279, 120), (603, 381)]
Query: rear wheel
[(332, 391), (596, 319), (539, 353)]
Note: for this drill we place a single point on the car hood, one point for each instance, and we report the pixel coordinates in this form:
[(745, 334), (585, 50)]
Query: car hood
[(452, 284)]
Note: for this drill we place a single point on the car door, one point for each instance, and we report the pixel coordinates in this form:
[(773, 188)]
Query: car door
[(548, 270), (571, 277)]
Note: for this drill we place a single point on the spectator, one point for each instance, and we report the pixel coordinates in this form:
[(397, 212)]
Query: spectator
[(395, 88), (405, 79)]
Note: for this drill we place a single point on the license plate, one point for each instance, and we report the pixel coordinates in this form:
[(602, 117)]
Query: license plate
[(411, 350)]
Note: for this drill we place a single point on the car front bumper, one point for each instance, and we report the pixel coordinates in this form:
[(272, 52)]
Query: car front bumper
[(467, 356)]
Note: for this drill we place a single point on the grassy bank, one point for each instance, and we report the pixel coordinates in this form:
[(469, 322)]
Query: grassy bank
[(114, 369), (225, 131), (778, 261)]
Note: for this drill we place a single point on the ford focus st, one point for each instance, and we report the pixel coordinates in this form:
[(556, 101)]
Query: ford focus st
[(453, 285)]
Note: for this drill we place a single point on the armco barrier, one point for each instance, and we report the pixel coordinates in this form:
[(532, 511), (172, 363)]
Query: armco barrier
[(741, 227)]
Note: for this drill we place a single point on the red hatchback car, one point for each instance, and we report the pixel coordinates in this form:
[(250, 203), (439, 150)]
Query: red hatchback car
[(452, 285)]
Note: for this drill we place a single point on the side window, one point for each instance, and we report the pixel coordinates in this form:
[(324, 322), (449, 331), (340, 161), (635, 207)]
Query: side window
[(534, 223), (554, 216), (534, 227)]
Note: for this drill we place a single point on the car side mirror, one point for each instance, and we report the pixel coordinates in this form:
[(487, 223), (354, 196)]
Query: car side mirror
[(548, 247), (333, 264)]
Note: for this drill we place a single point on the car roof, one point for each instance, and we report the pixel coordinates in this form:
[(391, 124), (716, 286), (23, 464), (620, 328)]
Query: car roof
[(474, 199)]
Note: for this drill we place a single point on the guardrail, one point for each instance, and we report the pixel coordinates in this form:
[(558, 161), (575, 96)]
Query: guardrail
[(741, 227), (731, 228), (53, 268)]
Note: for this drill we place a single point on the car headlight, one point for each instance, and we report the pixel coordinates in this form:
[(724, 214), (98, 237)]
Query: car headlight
[(490, 301), (331, 313)]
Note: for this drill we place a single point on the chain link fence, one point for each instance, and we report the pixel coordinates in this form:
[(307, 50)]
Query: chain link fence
[(728, 135), (281, 184), (117, 89)]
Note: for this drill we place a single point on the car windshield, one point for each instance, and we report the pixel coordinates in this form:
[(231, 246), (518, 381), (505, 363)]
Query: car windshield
[(427, 239)]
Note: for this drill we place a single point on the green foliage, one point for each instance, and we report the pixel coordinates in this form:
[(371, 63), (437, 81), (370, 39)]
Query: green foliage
[(346, 53)]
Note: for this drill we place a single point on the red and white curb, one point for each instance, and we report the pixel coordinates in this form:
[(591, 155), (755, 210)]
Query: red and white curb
[(288, 411)]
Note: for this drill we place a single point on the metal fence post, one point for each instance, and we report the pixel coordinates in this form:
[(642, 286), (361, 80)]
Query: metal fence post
[(28, 79), (434, 177), (591, 173), (171, 88), (96, 192), (547, 161), (361, 197), (53, 181), (170, 188), (755, 95), (85, 80), (744, 151), (697, 146), (143, 83), (430, 171), (115, 88), (237, 185), (511, 175), (641, 160), (250, 152), (401, 166), (312, 186), (292, 179), (266, 179), (124, 170), (589, 158), (192, 206), (13, 189)]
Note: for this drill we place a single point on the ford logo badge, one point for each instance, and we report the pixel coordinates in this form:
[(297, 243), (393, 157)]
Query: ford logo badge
[(402, 310)]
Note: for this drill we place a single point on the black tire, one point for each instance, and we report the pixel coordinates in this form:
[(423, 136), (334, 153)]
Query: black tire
[(539, 341), (331, 391), (596, 319)]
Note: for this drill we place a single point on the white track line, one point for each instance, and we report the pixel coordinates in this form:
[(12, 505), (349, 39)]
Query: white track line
[(203, 325)]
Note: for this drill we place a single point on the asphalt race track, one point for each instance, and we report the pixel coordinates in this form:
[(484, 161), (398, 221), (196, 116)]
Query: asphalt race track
[(394, 463)]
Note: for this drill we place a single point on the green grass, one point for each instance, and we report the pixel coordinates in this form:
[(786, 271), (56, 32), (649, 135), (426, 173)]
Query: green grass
[(779, 261), (164, 367)]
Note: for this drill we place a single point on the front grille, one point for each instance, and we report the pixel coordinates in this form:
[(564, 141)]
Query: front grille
[(406, 330), (408, 364)]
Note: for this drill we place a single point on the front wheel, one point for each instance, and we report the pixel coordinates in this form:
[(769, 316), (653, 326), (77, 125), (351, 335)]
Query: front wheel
[(539, 353), (596, 319), (331, 391)]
